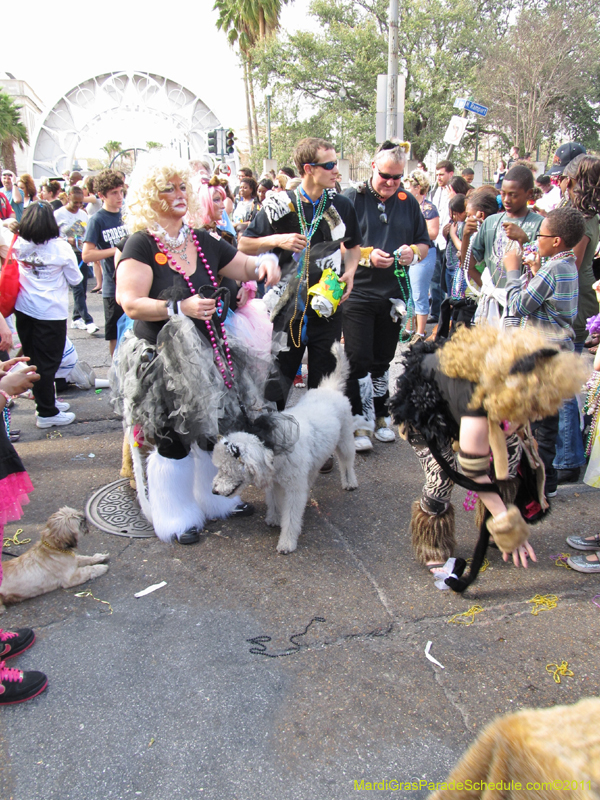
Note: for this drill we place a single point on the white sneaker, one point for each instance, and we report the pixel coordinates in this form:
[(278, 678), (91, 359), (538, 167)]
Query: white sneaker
[(362, 442), (62, 418), (61, 405), (383, 433), (79, 324), (91, 327)]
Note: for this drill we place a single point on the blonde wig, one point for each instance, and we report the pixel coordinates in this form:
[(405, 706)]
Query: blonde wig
[(151, 176), (486, 356)]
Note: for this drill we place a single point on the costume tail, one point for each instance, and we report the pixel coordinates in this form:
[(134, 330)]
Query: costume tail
[(336, 381)]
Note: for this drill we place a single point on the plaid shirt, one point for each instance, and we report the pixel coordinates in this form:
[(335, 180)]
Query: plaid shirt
[(547, 299)]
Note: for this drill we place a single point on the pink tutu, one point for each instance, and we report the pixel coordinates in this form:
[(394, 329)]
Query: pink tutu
[(251, 324), (14, 491)]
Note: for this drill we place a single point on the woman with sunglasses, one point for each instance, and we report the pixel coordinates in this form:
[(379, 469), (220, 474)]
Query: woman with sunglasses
[(394, 240)]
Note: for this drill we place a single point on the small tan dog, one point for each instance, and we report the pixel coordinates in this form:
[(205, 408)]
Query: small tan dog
[(51, 563)]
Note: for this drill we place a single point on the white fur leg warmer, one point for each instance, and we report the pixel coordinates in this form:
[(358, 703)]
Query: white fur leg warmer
[(214, 506), (171, 496)]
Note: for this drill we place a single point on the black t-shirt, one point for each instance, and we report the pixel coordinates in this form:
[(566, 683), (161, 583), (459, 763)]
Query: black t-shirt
[(289, 223), (457, 392), (104, 230), (405, 225), (56, 204), (142, 247)]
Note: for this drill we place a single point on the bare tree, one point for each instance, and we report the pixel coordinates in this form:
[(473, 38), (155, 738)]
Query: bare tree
[(529, 80)]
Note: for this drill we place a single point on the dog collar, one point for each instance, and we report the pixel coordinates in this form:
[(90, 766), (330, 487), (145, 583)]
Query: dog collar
[(57, 549)]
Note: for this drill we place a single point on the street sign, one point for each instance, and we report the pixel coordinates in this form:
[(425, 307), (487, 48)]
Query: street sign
[(455, 130), (460, 103), (475, 108)]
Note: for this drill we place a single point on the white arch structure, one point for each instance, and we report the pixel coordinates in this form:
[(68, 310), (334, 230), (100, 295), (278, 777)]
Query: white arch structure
[(58, 135)]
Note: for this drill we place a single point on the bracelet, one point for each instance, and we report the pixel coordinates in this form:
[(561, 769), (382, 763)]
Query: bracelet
[(261, 258), (365, 257), (6, 396), (170, 308), (417, 253)]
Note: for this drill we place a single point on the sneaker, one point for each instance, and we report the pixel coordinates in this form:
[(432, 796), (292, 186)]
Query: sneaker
[(91, 327), (62, 405), (12, 643), (362, 441), (299, 382), (189, 537), (78, 324), (62, 418), (243, 510), (17, 686), (382, 432), (417, 337)]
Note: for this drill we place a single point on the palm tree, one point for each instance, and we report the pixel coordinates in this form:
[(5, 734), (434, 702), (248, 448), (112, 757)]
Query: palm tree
[(247, 22), (111, 149), (12, 131)]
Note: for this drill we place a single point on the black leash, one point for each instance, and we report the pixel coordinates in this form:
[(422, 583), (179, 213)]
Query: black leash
[(261, 642)]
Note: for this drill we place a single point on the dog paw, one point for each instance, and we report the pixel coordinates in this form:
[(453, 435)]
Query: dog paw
[(272, 522), (285, 549), (100, 558)]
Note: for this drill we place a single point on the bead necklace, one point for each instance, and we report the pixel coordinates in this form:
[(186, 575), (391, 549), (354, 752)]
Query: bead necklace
[(592, 408), (308, 231), (403, 283), (176, 244), (208, 322)]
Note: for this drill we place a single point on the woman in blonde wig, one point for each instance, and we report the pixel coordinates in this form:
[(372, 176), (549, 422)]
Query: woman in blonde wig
[(181, 380), (480, 390)]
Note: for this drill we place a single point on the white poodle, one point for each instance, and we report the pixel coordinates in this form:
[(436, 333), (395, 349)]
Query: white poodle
[(324, 426)]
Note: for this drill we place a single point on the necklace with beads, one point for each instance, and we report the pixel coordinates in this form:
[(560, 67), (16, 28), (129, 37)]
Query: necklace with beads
[(227, 378), (176, 244), (308, 231), (405, 290)]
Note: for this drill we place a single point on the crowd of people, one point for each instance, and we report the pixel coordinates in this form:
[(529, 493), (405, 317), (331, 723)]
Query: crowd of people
[(213, 299)]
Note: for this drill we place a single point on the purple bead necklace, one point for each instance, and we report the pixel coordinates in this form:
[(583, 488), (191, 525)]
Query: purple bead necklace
[(208, 322)]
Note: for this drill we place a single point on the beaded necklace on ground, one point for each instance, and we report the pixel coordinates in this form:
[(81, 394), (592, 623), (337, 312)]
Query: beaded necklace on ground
[(208, 322), (308, 231), (402, 278)]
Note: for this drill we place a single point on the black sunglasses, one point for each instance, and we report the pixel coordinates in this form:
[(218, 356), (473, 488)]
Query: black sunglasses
[(387, 177), (328, 165), (545, 236), (383, 216)]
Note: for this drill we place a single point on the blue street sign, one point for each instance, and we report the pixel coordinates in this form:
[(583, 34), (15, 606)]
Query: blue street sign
[(460, 103), (476, 108)]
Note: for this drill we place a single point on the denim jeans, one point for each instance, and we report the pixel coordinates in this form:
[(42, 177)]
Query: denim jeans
[(569, 443), (80, 310), (420, 280)]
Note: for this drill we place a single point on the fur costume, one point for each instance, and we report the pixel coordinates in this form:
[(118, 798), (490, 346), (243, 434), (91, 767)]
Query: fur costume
[(432, 534), (516, 376), (540, 747)]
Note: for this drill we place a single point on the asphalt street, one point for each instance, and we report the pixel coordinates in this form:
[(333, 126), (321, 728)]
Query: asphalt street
[(166, 697)]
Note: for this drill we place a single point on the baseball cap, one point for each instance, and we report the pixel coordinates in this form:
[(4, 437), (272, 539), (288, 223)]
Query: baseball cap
[(564, 155)]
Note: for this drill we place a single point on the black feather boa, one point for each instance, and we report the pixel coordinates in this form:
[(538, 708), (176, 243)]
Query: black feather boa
[(419, 402)]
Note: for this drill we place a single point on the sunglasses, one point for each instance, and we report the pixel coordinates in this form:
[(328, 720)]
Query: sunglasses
[(328, 165), (383, 216), (545, 236), (387, 177)]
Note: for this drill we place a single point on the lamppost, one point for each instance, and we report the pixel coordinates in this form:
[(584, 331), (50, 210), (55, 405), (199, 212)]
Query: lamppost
[(342, 94), (268, 95)]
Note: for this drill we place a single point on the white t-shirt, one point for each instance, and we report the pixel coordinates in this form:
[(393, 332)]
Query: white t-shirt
[(440, 199), (93, 206), (550, 200), (72, 226), (45, 273)]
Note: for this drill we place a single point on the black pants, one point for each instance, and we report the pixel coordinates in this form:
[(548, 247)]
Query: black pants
[(370, 339), (321, 334), (545, 432), (43, 340)]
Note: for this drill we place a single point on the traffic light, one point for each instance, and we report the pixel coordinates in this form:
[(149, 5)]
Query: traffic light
[(211, 138), (229, 142)]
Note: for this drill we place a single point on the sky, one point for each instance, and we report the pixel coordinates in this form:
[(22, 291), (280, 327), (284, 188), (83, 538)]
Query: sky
[(178, 40)]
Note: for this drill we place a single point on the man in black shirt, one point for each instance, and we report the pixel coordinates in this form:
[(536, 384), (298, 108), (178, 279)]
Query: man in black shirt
[(394, 237), (309, 229)]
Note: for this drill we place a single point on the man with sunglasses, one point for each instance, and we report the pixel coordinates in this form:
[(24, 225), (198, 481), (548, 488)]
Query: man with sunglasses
[(309, 229), (394, 236)]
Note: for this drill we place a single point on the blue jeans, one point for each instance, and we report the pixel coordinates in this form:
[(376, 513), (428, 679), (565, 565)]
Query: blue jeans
[(420, 278), (449, 280), (569, 443), (80, 310), (437, 292)]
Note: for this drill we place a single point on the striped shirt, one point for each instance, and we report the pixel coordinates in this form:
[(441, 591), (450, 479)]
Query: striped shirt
[(547, 299)]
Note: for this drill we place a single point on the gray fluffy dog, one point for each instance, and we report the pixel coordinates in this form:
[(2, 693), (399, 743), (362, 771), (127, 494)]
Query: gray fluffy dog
[(324, 422)]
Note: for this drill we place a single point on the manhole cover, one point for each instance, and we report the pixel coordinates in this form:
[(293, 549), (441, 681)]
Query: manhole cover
[(114, 509)]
